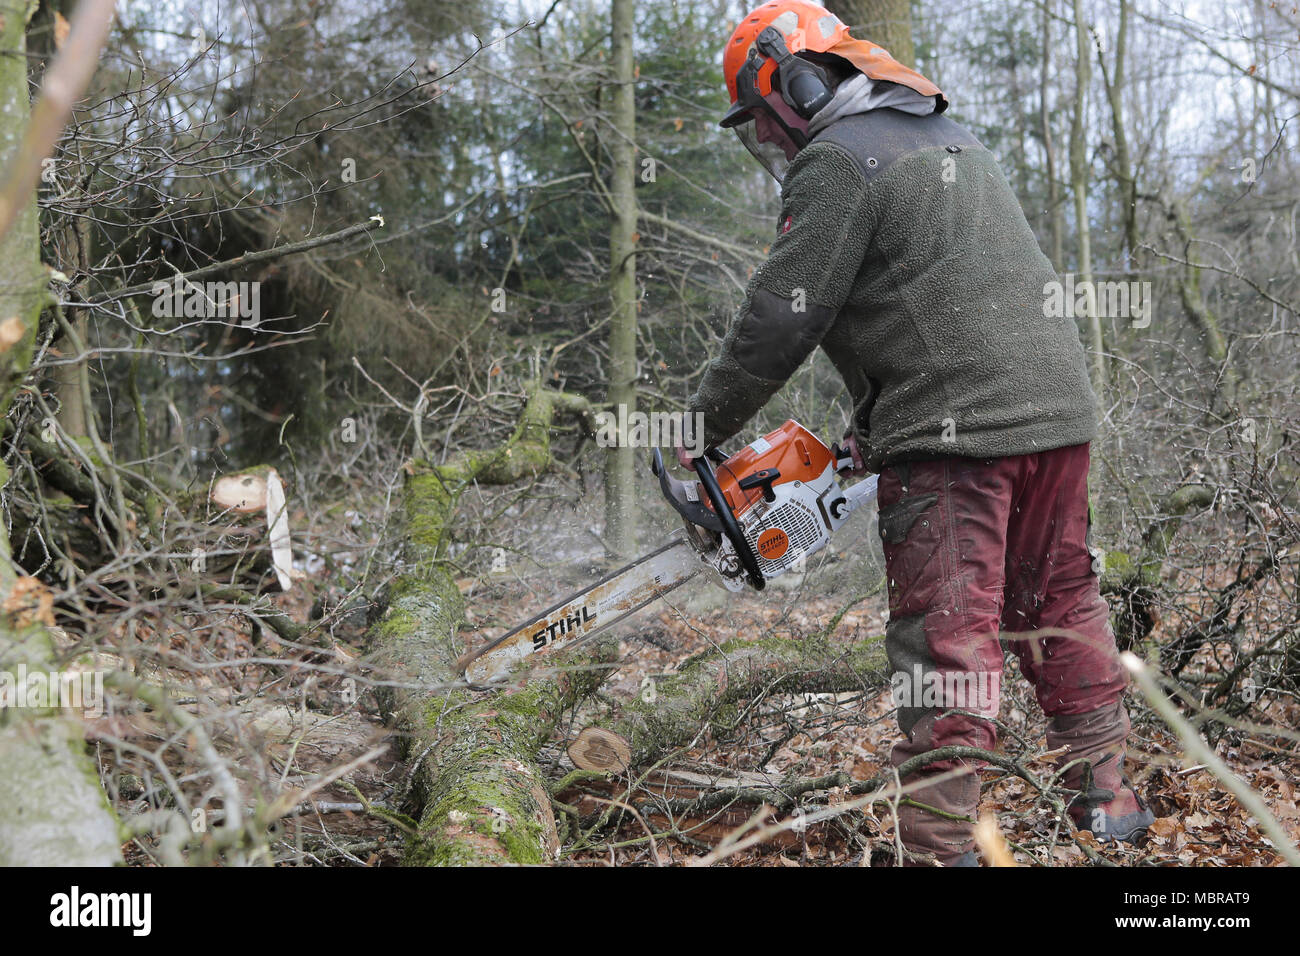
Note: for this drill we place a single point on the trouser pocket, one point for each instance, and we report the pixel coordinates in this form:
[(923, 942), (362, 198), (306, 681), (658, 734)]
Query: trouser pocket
[(911, 537)]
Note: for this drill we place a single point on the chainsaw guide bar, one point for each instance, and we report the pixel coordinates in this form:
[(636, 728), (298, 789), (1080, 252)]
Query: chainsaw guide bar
[(759, 514), (586, 614)]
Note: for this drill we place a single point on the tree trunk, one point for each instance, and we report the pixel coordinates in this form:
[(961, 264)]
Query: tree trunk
[(52, 809), (67, 383), (620, 473), (1196, 306), (1079, 182), (886, 22), (1125, 175), (71, 382), (1054, 210), (74, 241)]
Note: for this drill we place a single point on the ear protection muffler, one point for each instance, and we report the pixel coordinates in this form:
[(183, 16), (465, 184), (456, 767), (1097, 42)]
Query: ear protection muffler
[(805, 86)]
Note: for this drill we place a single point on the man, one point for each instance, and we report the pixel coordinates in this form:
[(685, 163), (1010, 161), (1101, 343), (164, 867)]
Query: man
[(902, 251)]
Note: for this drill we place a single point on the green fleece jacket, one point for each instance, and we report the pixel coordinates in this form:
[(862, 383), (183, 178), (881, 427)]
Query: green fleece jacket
[(903, 253)]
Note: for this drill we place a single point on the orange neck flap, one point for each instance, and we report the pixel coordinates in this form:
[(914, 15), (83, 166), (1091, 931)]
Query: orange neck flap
[(877, 64)]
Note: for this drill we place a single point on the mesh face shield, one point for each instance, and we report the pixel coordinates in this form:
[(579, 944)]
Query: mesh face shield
[(783, 123), (769, 155)]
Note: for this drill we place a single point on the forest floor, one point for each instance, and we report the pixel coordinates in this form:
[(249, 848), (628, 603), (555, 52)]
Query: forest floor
[(315, 729), (1198, 822)]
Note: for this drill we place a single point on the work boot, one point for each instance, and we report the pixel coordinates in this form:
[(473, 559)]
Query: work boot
[(1112, 815), (950, 841), (1106, 805)]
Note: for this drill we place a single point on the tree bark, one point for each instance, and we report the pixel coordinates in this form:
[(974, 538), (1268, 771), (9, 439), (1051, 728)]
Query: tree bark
[(1079, 175), (620, 473), (52, 809), (887, 22)]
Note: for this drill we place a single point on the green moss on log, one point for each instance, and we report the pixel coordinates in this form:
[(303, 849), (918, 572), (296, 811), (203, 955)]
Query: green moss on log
[(483, 797), (1137, 582), (717, 687)]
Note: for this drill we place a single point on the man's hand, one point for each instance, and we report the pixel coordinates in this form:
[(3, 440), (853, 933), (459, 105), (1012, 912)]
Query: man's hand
[(859, 463), (684, 458)]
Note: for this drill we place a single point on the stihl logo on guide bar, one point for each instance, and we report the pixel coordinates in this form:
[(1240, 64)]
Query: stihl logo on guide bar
[(564, 625)]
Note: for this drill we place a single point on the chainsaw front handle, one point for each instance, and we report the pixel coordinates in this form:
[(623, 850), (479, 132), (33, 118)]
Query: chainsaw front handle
[(730, 527), (675, 493), (861, 493)]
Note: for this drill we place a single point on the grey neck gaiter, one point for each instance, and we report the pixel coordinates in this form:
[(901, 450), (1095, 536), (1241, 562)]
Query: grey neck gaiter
[(860, 94)]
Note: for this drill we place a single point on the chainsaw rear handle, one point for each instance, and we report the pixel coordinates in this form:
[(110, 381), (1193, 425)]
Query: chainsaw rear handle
[(730, 527)]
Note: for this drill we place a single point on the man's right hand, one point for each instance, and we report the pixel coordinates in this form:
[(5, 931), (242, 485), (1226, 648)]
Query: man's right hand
[(684, 458)]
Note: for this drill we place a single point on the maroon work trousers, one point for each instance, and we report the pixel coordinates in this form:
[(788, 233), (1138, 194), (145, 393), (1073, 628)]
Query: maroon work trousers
[(980, 552)]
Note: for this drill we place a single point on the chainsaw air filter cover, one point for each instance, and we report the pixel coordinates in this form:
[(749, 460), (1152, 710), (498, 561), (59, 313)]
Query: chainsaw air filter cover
[(783, 492)]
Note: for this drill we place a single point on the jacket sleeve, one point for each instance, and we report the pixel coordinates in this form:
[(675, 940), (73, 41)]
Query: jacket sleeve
[(793, 298)]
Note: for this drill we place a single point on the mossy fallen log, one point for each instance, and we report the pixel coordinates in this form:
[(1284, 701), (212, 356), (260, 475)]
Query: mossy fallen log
[(718, 688), (482, 798), (717, 691)]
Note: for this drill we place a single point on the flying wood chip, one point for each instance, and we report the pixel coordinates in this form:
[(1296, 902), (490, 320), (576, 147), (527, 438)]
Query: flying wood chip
[(11, 332)]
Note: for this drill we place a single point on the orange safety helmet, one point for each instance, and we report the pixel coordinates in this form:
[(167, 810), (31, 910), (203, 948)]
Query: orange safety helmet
[(764, 78)]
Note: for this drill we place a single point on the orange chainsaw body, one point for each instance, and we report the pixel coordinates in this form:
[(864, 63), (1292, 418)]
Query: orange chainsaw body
[(793, 451)]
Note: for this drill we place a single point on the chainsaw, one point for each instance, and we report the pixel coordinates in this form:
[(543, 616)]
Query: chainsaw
[(756, 515)]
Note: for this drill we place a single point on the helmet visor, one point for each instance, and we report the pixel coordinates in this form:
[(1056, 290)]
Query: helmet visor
[(769, 155)]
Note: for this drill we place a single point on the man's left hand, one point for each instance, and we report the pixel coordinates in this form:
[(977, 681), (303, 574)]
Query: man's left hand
[(859, 464)]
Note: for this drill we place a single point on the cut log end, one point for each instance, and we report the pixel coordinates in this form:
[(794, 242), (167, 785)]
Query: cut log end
[(242, 494), (603, 750)]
